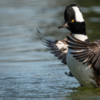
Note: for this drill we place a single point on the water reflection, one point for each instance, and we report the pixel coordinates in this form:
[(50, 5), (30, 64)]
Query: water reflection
[(85, 94), (27, 69)]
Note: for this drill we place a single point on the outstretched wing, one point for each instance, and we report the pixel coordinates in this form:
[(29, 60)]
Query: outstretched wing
[(57, 47), (86, 52)]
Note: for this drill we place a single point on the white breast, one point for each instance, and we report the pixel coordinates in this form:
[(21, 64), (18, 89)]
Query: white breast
[(81, 37), (82, 73)]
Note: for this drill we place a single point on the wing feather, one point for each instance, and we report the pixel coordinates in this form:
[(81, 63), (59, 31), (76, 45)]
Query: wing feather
[(57, 47), (85, 52)]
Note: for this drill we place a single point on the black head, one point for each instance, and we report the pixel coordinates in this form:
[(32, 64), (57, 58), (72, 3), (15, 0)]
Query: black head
[(74, 20)]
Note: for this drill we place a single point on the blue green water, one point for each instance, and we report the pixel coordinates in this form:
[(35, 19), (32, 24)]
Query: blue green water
[(27, 70)]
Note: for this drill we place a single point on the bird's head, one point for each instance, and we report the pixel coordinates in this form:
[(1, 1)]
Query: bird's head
[(74, 20)]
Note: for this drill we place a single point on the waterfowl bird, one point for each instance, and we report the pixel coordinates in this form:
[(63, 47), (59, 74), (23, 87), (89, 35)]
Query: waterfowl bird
[(81, 56)]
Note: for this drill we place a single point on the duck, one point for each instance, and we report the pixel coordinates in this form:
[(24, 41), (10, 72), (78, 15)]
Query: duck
[(76, 51)]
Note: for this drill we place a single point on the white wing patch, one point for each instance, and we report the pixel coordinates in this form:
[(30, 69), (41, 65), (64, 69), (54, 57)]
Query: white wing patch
[(61, 45), (78, 14)]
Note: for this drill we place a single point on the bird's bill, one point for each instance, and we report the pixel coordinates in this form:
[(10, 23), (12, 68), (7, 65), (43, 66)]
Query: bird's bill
[(64, 26)]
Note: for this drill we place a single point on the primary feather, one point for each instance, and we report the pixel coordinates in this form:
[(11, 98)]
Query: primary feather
[(57, 47)]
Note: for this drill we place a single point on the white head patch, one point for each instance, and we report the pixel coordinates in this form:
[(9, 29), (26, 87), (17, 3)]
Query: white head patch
[(78, 14)]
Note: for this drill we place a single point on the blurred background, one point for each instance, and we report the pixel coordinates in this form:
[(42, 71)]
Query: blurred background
[(27, 70)]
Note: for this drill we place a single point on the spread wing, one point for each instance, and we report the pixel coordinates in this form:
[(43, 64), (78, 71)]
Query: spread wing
[(86, 52), (57, 47)]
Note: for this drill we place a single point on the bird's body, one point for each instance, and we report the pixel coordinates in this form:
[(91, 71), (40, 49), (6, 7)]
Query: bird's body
[(83, 73), (81, 56), (86, 61)]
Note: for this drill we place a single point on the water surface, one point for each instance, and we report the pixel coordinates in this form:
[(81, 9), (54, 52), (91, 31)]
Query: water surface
[(27, 70)]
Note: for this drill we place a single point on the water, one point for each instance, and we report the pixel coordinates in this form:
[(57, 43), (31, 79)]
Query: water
[(27, 70)]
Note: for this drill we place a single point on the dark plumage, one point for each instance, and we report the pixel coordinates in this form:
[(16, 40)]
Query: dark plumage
[(87, 52), (57, 47)]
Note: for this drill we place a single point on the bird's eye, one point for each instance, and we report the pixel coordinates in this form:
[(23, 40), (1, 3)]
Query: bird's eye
[(72, 20)]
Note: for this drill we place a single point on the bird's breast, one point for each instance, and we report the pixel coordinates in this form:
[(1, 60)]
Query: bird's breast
[(82, 72)]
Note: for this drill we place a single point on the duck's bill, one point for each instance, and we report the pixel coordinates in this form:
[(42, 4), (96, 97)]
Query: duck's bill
[(64, 26)]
